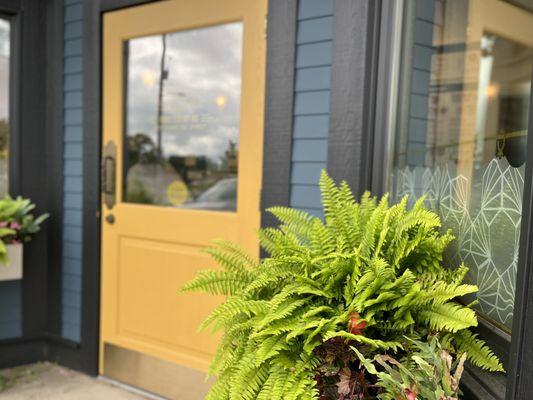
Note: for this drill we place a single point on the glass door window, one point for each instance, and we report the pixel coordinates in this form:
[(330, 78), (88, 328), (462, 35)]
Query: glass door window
[(461, 133), (182, 118)]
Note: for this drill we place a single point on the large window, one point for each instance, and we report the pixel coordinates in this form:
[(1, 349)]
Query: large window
[(5, 45), (461, 133)]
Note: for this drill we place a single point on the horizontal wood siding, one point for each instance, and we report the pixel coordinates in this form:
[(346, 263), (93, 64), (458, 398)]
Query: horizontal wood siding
[(419, 115), (72, 180), (311, 102)]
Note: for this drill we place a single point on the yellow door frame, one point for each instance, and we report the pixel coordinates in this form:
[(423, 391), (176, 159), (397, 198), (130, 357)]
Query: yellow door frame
[(152, 19)]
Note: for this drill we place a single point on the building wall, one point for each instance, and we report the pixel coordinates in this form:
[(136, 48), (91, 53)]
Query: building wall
[(72, 180), (311, 102)]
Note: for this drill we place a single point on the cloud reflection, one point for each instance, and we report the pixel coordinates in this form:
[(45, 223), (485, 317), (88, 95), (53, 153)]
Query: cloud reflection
[(201, 95)]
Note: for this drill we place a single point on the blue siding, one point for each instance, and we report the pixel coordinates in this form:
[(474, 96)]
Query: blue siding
[(10, 309), (73, 169), (313, 78), (311, 102), (419, 112)]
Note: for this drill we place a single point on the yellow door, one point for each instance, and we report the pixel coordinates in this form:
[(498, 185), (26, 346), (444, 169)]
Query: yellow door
[(183, 96)]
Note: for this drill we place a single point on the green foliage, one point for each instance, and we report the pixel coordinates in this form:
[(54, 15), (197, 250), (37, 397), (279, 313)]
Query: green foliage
[(427, 372), (17, 223), (367, 276)]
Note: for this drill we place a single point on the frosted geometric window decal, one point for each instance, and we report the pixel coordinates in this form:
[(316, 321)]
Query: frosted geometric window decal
[(486, 226)]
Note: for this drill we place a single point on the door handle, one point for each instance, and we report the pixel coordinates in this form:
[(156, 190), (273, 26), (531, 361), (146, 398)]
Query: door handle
[(108, 174)]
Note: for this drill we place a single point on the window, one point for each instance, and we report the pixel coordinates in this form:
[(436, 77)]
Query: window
[(5, 47), (461, 133), (183, 117)]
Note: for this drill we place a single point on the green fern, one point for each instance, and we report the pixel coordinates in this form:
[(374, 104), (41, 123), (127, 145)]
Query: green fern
[(367, 276), (479, 353)]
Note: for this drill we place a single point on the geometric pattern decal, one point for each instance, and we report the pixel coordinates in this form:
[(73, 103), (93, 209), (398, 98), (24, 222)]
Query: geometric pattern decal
[(484, 216)]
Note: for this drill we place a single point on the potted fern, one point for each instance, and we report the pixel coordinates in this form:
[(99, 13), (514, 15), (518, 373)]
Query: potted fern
[(355, 306), (18, 225)]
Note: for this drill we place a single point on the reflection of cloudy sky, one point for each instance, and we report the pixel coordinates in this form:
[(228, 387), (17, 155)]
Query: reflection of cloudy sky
[(4, 68), (203, 65)]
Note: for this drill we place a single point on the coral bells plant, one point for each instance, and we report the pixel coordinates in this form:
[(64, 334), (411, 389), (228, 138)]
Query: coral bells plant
[(355, 306), (18, 224)]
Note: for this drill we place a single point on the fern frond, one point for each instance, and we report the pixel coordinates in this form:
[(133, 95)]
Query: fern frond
[(219, 282), (233, 307), (477, 351), (297, 222), (269, 348), (448, 317)]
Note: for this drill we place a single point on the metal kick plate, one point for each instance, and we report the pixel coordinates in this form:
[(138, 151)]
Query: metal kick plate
[(153, 375)]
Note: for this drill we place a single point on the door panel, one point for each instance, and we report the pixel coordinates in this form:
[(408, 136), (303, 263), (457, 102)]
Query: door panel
[(183, 95)]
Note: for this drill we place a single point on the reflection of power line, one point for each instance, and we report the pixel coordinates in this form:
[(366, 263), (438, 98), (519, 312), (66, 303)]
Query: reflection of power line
[(162, 76)]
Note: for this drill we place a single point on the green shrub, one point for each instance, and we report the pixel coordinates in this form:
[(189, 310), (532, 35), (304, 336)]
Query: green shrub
[(369, 277)]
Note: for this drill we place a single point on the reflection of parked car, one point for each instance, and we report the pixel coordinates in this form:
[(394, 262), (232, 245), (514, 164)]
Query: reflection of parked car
[(221, 196)]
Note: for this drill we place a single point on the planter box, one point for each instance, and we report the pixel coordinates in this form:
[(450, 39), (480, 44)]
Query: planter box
[(13, 270)]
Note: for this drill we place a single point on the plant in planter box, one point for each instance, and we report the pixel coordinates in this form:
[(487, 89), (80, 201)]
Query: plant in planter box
[(18, 225), (342, 307)]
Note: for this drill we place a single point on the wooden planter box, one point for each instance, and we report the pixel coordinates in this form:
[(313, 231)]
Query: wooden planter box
[(13, 269)]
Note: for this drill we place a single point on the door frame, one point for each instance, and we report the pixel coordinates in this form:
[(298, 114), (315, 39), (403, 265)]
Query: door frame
[(92, 122), (281, 44)]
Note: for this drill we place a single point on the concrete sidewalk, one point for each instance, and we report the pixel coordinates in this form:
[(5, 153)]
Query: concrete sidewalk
[(47, 381)]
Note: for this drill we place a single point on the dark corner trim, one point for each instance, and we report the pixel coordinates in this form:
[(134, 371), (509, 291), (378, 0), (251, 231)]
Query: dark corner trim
[(353, 91), (90, 318), (520, 384), (54, 129), (279, 98)]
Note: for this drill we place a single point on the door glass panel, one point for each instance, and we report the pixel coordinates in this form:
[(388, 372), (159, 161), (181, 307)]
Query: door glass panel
[(462, 130), (182, 118), (5, 44)]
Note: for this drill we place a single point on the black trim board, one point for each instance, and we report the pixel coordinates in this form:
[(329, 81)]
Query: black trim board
[(520, 384), (33, 162), (356, 26), (90, 318), (54, 149), (22, 351), (279, 99), (36, 349)]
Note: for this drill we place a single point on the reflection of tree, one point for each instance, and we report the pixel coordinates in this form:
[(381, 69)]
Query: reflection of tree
[(141, 148), (229, 160), (190, 167)]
